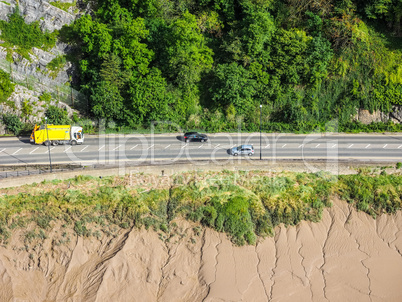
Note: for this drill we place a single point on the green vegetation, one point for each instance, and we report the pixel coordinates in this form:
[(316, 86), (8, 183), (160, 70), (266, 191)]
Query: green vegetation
[(57, 116), (209, 65), (13, 123), (63, 5), (356, 127), (373, 195), (56, 65), (16, 33), (6, 86), (27, 108), (242, 204), (45, 97)]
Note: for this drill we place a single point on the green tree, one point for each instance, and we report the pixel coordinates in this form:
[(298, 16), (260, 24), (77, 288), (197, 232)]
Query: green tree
[(148, 98), (233, 86), (57, 116), (187, 51), (289, 54), (258, 32), (106, 101), (318, 57), (111, 71)]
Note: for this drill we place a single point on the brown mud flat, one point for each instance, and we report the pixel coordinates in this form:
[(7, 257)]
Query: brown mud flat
[(348, 256)]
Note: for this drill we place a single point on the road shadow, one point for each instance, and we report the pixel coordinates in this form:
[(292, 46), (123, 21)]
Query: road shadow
[(16, 158), (25, 140)]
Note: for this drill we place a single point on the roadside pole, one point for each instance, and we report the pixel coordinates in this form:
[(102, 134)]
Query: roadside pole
[(48, 145)]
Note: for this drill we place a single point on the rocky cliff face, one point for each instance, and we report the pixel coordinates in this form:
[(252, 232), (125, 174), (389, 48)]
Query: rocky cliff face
[(33, 72), (32, 75), (49, 16), (365, 117), (21, 95), (348, 256)]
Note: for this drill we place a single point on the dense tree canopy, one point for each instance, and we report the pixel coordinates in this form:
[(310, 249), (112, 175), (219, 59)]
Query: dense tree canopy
[(211, 63)]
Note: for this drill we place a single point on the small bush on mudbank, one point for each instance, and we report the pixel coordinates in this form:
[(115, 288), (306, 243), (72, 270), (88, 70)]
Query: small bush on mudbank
[(372, 194), (253, 205)]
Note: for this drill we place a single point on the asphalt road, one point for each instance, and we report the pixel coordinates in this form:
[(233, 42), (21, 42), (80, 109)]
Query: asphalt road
[(111, 150)]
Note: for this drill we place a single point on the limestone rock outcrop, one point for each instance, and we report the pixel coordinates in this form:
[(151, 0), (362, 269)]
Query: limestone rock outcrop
[(31, 74), (49, 16)]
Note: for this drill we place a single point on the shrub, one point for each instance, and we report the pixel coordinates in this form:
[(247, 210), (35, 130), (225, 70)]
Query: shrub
[(81, 229), (6, 87), (17, 33), (27, 108), (26, 129), (56, 65), (57, 116), (63, 5), (235, 218), (373, 195), (45, 97), (13, 123)]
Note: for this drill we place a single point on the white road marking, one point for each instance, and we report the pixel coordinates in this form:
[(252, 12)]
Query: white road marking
[(184, 146), (50, 149), (333, 146), (101, 148), (167, 146), (216, 147), (400, 147), (3, 150), (317, 146), (350, 146), (134, 147), (232, 146), (16, 151), (116, 147), (367, 146), (87, 147), (385, 146), (200, 146), (302, 145), (267, 146), (67, 149), (284, 145), (34, 150), (150, 147)]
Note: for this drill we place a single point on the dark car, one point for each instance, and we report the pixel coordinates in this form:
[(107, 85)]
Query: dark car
[(195, 136)]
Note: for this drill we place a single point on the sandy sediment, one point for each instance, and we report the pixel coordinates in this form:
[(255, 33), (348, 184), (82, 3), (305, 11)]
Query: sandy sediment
[(348, 256)]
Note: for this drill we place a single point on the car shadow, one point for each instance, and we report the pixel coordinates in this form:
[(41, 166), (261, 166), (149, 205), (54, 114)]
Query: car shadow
[(228, 151), (180, 138)]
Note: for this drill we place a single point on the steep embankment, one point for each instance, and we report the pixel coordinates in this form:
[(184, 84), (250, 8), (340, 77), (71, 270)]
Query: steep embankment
[(346, 256)]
